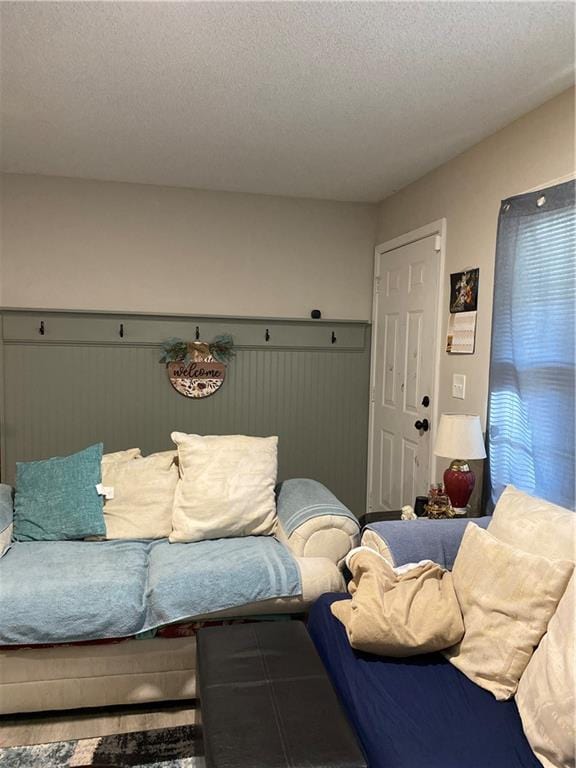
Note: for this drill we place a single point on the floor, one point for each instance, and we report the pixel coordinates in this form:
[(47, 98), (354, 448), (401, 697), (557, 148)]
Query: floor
[(24, 730)]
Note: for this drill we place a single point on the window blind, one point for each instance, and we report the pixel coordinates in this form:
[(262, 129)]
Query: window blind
[(531, 415)]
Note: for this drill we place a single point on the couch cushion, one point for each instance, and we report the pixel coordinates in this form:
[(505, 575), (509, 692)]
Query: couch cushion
[(318, 575), (507, 598), (56, 499), (55, 592), (534, 525), (226, 487), (417, 712), (63, 591), (545, 695), (194, 579)]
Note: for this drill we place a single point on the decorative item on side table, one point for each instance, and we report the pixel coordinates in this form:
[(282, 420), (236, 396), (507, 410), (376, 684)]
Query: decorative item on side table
[(420, 506), (459, 435), (408, 513), (197, 369), (438, 505)]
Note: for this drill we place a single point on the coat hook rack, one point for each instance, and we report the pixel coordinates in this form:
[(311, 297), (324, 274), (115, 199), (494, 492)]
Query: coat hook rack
[(121, 331), (267, 335), (41, 329), (197, 332), (333, 338)]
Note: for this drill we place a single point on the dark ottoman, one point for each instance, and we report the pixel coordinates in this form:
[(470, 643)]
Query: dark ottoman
[(267, 701)]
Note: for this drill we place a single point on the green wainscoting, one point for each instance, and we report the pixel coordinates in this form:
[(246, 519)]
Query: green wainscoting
[(81, 381)]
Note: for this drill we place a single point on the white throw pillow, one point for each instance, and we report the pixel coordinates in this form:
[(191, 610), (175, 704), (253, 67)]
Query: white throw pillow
[(534, 525), (226, 487), (545, 695), (507, 598), (143, 496)]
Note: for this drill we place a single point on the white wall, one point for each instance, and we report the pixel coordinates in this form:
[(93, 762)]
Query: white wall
[(531, 152), (77, 244)]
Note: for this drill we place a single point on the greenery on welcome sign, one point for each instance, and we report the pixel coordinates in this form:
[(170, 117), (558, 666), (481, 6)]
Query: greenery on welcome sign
[(175, 350), (222, 348)]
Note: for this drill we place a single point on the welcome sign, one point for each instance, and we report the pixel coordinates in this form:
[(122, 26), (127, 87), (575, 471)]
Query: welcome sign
[(200, 377)]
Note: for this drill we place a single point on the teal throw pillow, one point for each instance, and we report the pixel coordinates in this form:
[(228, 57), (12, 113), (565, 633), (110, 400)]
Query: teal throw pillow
[(57, 500)]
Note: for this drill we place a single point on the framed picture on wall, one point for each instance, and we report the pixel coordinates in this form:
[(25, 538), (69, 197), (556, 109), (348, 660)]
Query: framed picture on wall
[(464, 290)]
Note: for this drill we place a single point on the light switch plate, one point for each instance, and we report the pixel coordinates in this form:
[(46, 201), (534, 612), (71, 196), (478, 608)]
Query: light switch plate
[(459, 386)]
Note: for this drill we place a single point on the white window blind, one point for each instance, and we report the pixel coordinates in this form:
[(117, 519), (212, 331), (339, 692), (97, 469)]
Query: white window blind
[(531, 419)]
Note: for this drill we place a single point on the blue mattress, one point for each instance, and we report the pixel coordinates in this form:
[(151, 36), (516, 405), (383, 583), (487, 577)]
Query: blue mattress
[(418, 712)]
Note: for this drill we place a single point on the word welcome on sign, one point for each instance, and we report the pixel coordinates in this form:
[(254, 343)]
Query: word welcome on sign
[(198, 378)]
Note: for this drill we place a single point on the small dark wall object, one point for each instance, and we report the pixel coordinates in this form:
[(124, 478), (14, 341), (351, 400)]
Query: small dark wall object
[(334, 339), (267, 335), (420, 505), (121, 331), (41, 329), (315, 314)]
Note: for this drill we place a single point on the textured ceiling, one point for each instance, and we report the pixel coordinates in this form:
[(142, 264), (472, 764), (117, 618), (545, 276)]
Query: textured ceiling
[(345, 101)]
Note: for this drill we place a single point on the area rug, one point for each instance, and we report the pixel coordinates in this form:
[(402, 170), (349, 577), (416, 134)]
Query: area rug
[(179, 747)]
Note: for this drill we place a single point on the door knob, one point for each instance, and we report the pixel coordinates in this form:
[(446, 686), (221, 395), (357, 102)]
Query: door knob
[(422, 425)]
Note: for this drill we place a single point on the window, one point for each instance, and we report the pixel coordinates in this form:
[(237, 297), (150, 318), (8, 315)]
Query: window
[(531, 414)]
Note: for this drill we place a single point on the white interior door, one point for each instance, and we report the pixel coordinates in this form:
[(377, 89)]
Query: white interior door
[(403, 394)]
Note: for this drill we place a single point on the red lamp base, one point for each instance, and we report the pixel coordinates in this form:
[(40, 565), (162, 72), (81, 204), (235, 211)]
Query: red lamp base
[(459, 483)]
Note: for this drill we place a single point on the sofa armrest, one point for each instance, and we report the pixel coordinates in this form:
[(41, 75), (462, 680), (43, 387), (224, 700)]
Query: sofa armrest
[(313, 523), (6, 518), (409, 541)]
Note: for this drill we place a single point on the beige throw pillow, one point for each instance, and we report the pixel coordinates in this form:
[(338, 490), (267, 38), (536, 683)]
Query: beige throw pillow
[(534, 525), (507, 598), (545, 695), (127, 455), (226, 487), (143, 497)]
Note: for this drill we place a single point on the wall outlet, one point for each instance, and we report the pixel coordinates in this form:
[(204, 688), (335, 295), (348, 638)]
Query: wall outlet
[(459, 386)]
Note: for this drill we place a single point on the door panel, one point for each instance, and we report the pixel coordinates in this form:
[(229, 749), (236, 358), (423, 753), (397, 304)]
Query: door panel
[(405, 314), (412, 362), (390, 360)]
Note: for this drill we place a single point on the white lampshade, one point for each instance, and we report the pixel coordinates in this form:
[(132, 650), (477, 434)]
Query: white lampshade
[(459, 436)]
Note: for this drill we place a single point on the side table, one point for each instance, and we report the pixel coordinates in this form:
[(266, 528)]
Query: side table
[(380, 516)]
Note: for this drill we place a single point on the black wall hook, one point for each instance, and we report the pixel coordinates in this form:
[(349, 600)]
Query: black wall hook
[(121, 331), (197, 332), (267, 335), (41, 329), (334, 339)]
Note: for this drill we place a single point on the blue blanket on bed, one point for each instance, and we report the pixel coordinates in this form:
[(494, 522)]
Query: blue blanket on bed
[(420, 711), (65, 591)]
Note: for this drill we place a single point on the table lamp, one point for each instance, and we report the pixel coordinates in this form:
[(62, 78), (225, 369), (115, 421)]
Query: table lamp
[(459, 435)]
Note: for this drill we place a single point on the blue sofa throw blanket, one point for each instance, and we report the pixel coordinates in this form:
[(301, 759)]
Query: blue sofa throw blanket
[(65, 591), (300, 499), (410, 541)]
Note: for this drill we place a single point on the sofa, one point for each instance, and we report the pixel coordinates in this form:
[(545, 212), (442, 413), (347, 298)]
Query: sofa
[(422, 711), (84, 622)]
